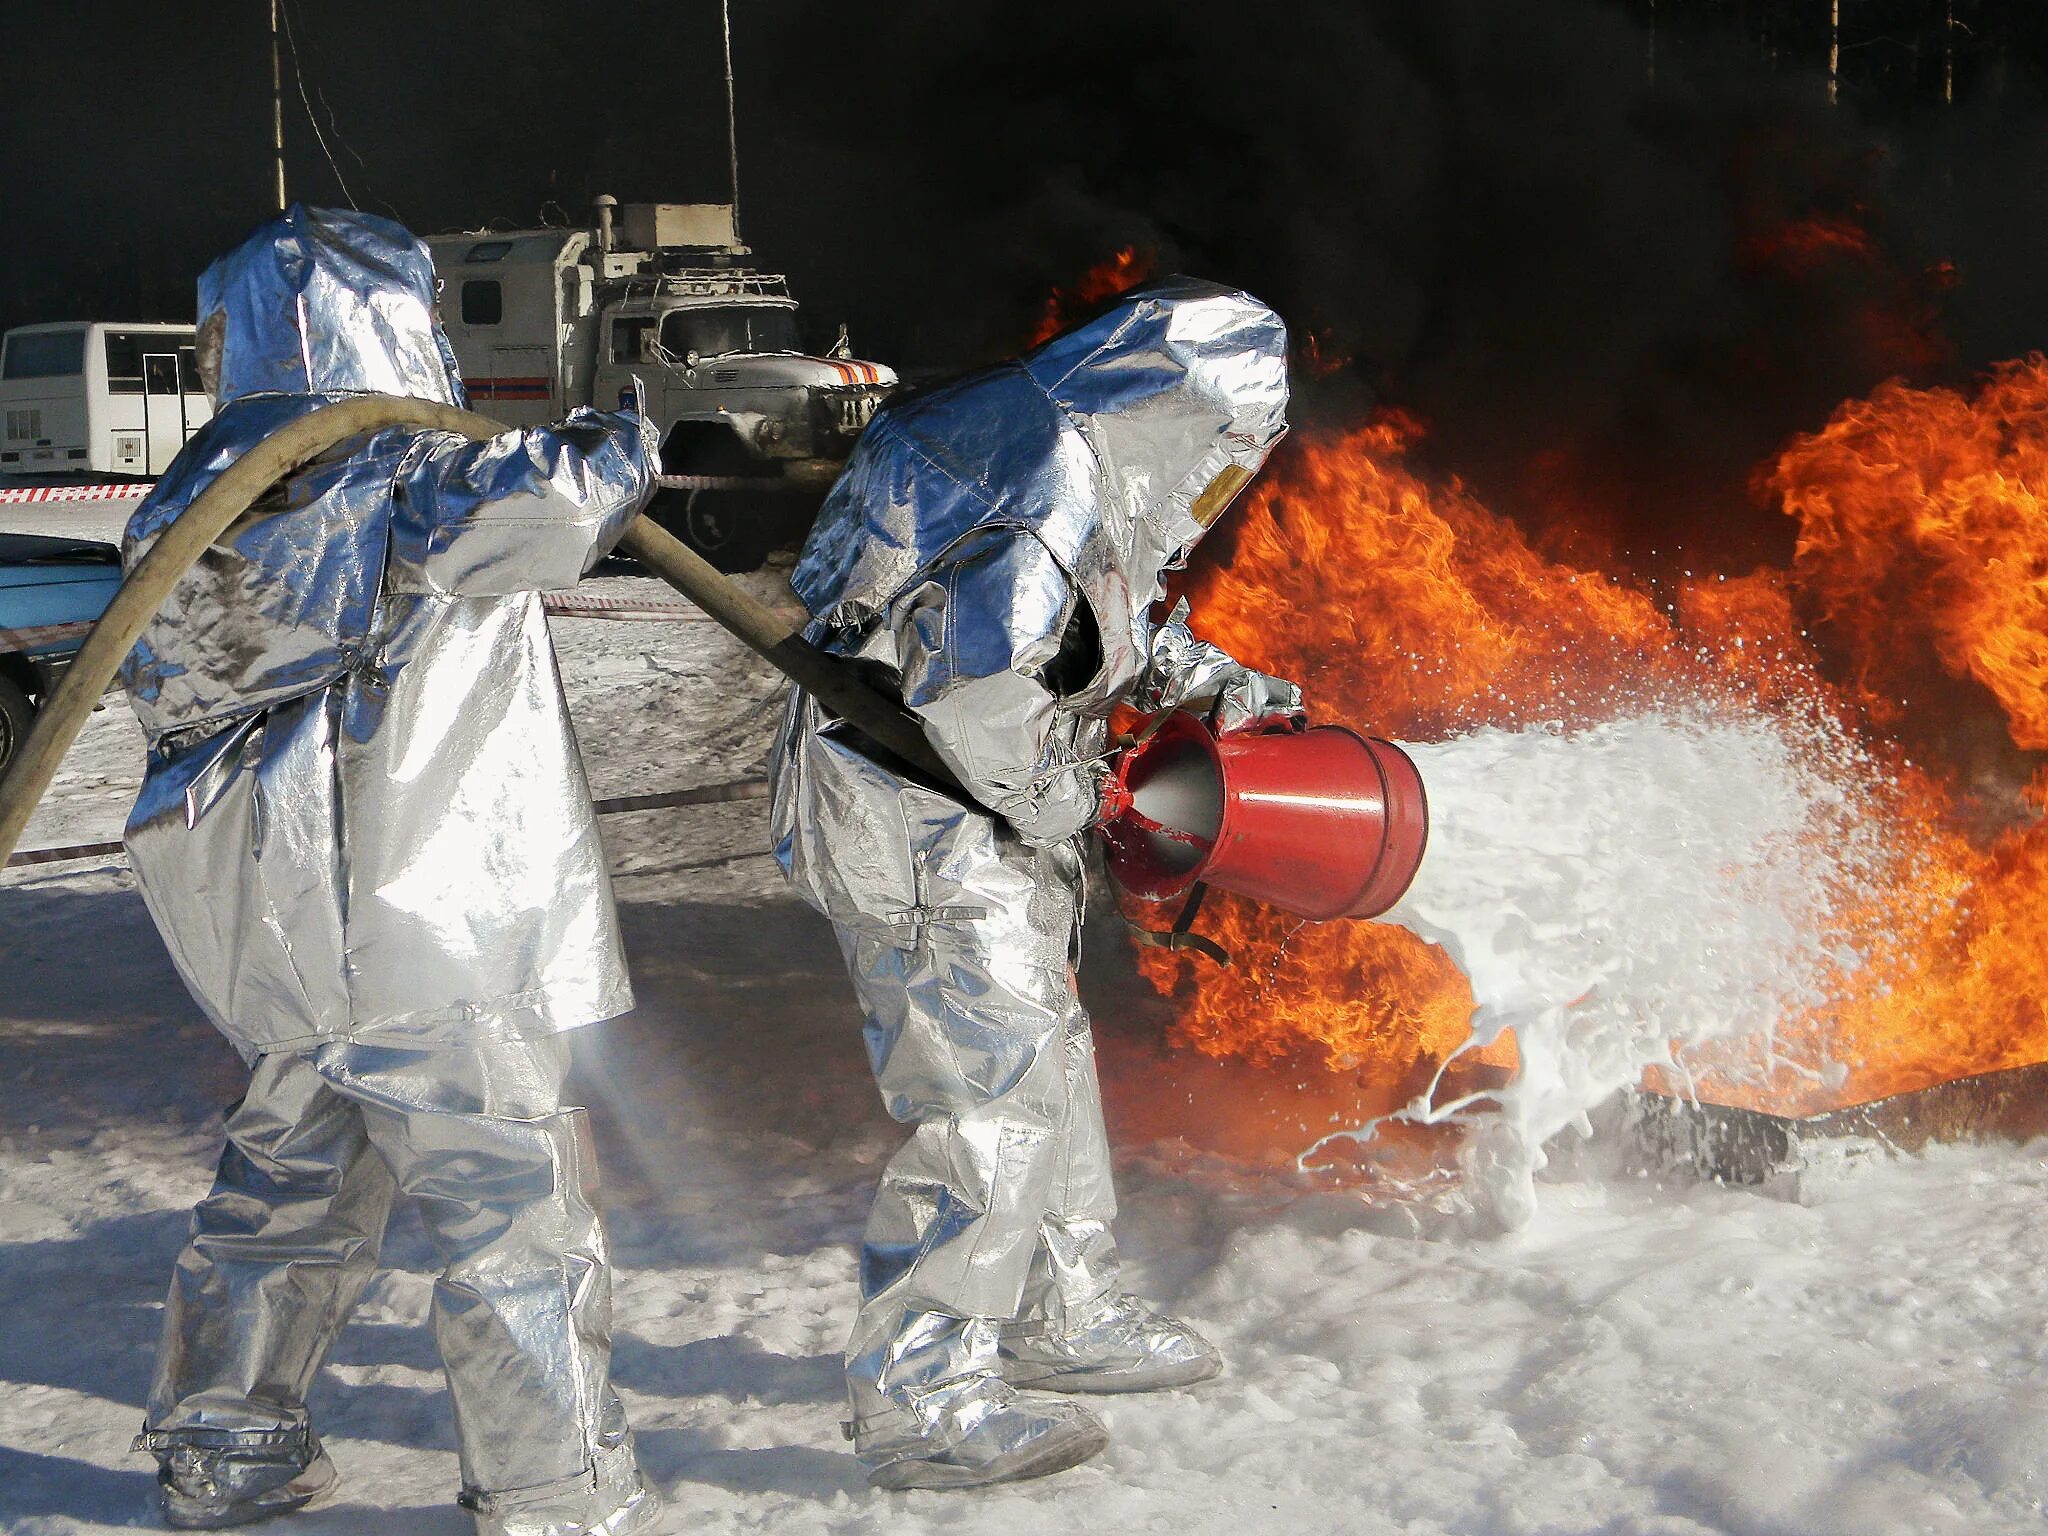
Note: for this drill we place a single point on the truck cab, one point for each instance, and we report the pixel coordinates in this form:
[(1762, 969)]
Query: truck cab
[(754, 428)]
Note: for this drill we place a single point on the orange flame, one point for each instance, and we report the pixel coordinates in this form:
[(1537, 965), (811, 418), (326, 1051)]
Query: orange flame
[(1802, 244), (1411, 609), (1105, 280), (1924, 536)]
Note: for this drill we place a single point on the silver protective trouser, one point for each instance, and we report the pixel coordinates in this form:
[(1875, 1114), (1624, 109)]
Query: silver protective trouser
[(999, 1206), (285, 1242)]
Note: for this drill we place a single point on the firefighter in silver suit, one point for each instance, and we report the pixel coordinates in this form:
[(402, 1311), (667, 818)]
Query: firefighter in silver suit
[(365, 836), (996, 547)]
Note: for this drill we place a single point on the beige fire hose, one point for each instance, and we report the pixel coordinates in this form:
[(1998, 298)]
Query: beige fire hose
[(831, 680)]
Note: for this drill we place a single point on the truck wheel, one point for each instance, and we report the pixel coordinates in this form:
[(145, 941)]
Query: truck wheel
[(16, 715), (721, 526)]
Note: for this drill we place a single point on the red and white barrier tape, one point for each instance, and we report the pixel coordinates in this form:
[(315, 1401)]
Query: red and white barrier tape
[(36, 636), (11, 495), (125, 489)]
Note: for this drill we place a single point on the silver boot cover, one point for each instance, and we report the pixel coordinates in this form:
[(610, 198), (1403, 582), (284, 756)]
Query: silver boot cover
[(970, 1429), (213, 1480), (612, 1499), (1125, 1347)]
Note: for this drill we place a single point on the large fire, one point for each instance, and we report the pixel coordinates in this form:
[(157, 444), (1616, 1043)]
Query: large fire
[(1408, 608)]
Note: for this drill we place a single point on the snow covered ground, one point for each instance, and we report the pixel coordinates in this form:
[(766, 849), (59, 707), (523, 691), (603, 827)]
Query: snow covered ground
[(67, 519), (1637, 1361)]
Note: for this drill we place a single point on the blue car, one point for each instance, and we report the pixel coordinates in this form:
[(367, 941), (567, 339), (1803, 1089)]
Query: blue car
[(52, 590)]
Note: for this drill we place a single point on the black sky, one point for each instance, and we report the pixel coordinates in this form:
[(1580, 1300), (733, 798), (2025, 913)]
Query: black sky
[(1539, 226)]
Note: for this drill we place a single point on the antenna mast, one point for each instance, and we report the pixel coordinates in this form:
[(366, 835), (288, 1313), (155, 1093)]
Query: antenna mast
[(277, 105), (732, 129)]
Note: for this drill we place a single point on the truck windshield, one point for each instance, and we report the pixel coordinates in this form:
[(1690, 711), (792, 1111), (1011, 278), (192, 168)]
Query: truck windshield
[(729, 328), (44, 354)]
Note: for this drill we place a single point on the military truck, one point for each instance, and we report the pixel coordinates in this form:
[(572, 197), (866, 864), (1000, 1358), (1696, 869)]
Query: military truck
[(754, 427)]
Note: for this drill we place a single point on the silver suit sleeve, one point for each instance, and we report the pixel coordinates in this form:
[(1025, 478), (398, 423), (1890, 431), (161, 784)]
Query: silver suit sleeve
[(973, 642), (1184, 669), (525, 511)]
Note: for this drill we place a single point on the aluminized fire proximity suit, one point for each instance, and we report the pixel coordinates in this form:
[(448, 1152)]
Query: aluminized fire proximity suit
[(365, 836), (997, 546)]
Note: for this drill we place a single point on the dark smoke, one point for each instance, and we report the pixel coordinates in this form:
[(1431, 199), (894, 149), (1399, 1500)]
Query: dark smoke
[(1609, 294), (1609, 297)]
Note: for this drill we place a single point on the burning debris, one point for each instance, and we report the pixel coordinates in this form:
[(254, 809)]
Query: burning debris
[(1658, 1136)]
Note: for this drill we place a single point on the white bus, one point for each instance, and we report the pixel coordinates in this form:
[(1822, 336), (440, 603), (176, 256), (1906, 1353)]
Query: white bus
[(97, 397)]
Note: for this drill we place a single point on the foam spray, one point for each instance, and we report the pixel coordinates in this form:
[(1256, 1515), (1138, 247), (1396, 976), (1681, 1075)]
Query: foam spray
[(1623, 894)]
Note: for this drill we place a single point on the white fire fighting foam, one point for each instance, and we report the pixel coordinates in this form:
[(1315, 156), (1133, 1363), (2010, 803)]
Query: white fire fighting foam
[(1623, 894)]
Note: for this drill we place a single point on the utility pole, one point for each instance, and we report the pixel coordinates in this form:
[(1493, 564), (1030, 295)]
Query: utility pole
[(732, 117), (732, 125), (1834, 49), (277, 104), (1948, 56)]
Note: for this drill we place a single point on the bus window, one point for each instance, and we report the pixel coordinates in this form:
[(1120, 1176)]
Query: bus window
[(188, 371), (44, 355), (124, 363), (163, 373)]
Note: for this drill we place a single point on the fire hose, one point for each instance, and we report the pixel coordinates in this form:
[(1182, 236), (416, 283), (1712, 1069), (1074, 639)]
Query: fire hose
[(832, 681)]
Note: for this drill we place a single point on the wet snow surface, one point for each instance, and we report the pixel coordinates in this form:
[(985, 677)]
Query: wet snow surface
[(1633, 1360)]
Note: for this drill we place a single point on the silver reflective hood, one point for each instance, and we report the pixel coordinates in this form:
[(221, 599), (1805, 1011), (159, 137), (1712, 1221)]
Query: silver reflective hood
[(364, 816), (1099, 443), (322, 300)]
